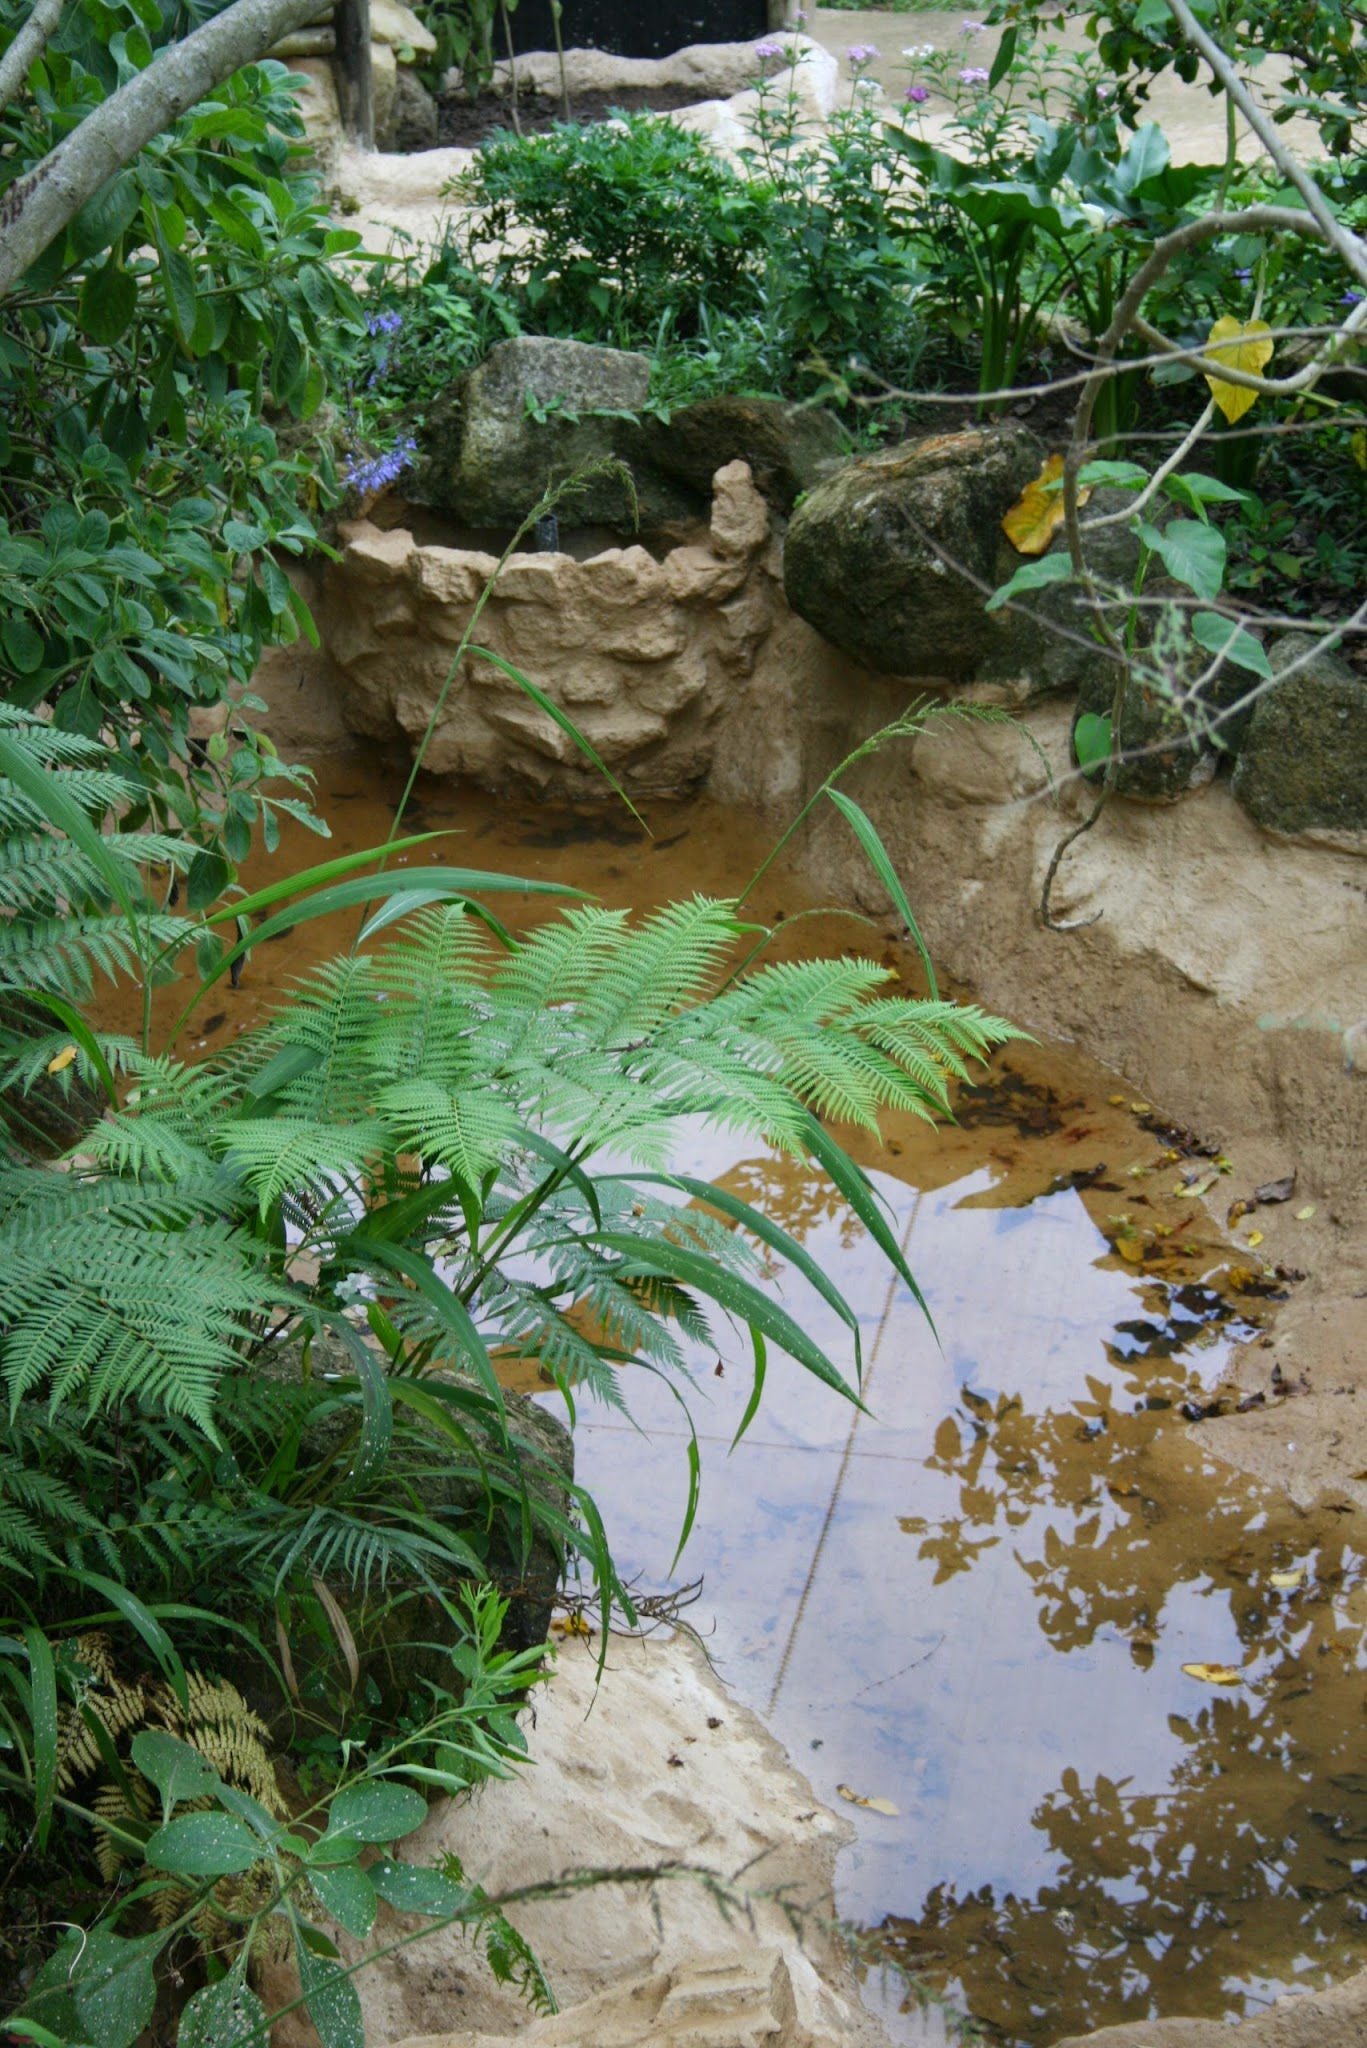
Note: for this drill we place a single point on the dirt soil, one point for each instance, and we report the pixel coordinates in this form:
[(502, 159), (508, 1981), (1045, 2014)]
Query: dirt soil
[(465, 124)]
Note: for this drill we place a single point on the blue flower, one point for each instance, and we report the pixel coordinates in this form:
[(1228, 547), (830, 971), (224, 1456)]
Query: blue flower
[(384, 323), (1351, 299), (364, 474)]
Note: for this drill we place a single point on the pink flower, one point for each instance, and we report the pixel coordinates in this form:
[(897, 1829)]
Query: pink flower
[(973, 74), (765, 51), (860, 54), (917, 94), (970, 28)]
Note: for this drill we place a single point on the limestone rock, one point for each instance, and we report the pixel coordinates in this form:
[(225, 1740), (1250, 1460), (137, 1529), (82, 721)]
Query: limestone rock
[(763, 1998), (890, 558), (1303, 766), (644, 654), (789, 447), (415, 114), (399, 27), (534, 412)]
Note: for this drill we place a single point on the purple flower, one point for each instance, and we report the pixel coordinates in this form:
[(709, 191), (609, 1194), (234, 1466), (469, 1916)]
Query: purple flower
[(1351, 299), (970, 28), (366, 474), (973, 74), (1243, 275), (384, 323), (766, 51), (860, 54), (917, 94)]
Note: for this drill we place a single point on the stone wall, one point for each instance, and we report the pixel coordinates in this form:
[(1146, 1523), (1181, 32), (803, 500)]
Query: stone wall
[(645, 655)]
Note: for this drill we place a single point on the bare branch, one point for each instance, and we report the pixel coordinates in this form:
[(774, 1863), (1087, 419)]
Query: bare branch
[(27, 47), (37, 206), (1345, 245)]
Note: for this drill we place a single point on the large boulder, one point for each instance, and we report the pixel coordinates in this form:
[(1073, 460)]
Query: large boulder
[(1303, 765), (789, 448), (534, 412), (891, 558)]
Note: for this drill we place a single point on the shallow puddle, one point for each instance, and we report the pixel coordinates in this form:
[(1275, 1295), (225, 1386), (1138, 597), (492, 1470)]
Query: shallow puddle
[(976, 1603)]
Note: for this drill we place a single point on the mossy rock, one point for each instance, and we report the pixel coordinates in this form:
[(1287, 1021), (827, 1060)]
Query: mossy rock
[(1302, 769), (790, 448)]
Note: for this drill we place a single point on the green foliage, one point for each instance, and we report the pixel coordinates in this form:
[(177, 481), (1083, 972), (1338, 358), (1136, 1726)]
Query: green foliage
[(150, 363), (621, 226)]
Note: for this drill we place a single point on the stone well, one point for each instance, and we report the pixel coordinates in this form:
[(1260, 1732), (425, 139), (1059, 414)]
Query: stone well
[(644, 653)]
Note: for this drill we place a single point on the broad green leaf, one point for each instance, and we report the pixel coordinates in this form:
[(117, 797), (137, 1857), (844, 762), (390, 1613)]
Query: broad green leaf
[(109, 299), (1116, 476), (1219, 635), (347, 1894), (1092, 740), (23, 644), (113, 1989), (211, 1844), (178, 1772), (224, 2015), (1032, 575), (1193, 554), (376, 1810), (330, 1996), (1196, 492), (411, 1889)]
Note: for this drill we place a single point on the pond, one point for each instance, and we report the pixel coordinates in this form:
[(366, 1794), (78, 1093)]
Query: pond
[(1111, 1692)]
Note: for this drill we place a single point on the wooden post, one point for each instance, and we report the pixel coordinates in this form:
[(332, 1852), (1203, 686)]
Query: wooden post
[(355, 86)]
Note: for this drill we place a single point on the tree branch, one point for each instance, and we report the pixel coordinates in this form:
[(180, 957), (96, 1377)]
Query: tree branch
[(27, 47), (37, 206)]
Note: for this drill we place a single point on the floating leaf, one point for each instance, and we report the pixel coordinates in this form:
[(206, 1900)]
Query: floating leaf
[(1255, 1237), (1276, 1190), (1214, 1674), (1116, 1101), (873, 1805), (1037, 514), (1289, 1581), (1131, 1249), (1236, 1212), (1304, 1215), (1142, 1108), (62, 1061), (1245, 345)]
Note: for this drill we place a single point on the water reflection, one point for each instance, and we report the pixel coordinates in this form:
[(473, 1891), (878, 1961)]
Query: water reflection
[(977, 1602)]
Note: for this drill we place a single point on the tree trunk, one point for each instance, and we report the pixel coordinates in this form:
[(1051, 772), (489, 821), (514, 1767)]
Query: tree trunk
[(36, 208)]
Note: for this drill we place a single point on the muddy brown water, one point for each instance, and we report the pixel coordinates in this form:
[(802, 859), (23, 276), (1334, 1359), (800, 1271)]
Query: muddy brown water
[(976, 1603)]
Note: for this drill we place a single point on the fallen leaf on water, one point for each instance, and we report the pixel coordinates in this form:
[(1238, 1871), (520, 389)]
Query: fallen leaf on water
[(1037, 514), (63, 1059), (1116, 1101), (1142, 1108), (1255, 1237), (1235, 1211), (1214, 1674), (1131, 1249), (1287, 1582), (1276, 1190), (1304, 1215), (873, 1805), (1244, 345)]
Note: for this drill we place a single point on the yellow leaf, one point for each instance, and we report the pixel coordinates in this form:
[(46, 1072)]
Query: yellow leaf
[(1304, 1215), (1287, 1582), (1037, 514), (571, 1625), (873, 1805), (1142, 1108), (63, 1060), (1131, 1249), (1214, 1674), (1245, 345), (1116, 1101), (1255, 1237)]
